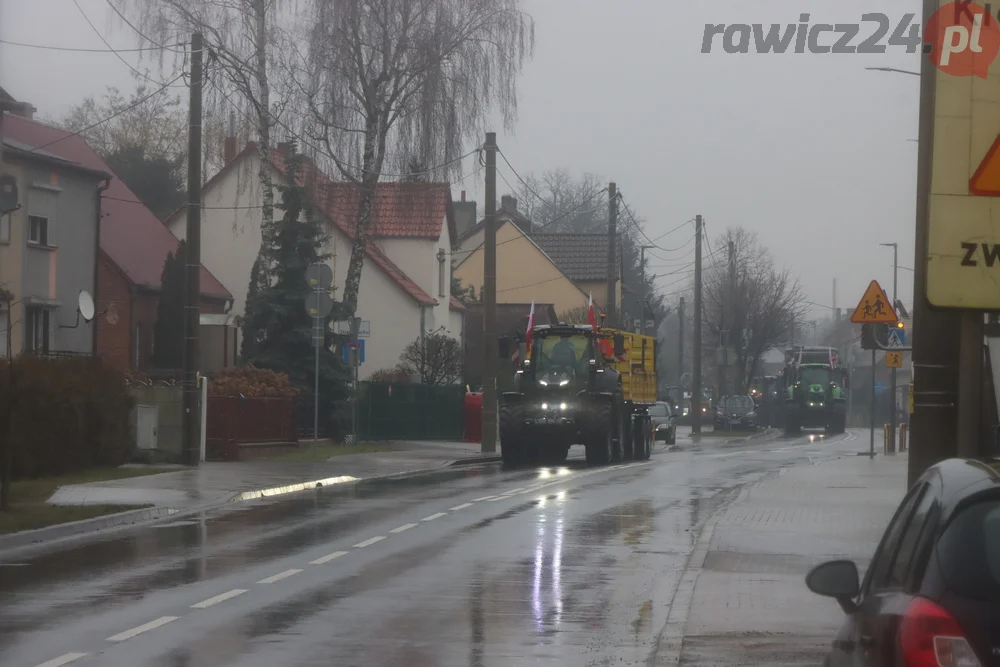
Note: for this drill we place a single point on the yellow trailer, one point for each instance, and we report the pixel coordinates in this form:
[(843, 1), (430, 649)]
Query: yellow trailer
[(637, 366)]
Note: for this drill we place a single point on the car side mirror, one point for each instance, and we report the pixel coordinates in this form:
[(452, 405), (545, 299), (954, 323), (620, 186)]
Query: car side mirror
[(836, 579), (619, 345)]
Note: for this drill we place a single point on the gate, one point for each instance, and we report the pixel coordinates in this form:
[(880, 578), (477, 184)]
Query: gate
[(391, 411)]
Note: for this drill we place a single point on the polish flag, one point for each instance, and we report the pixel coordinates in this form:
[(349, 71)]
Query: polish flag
[(531, 327), (591, 313)]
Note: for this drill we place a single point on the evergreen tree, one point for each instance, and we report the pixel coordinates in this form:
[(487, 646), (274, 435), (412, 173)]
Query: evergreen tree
[(168, 333), (276, 314)]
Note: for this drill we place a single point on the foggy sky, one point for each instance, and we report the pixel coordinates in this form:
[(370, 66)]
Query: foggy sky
[(810, 151)]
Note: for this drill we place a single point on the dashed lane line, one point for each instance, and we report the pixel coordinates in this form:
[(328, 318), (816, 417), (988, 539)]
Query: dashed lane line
[(146, 627), (402, 529), (163, 620), (279, 576), (211, 602), (63, 660), (369, 542)]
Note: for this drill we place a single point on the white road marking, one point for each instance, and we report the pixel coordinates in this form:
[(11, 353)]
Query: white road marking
[(279, 576), (204, 604), (152, 625), (62, 660), (477, 500), (327, 558), (433, 516), (368, 543), (460, 507), (403, 528), (513, 491), (496, 498)]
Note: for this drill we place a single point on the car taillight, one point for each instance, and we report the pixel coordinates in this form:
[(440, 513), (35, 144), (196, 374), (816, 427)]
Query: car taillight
[(931, 637)]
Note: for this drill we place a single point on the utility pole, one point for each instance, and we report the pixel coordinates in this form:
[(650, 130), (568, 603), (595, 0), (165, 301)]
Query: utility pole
[(611, 309), (732, 334), (936, 339), (490, 346), (892, 372), (642, 302), (680, 340), (192, 308), (696, 343)]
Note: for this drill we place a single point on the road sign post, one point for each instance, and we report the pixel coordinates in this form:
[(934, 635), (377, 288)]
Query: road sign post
[(874, 308), (319, 277)]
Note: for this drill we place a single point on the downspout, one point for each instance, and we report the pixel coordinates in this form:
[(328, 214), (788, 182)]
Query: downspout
[(133, 343), (423, 339), (97, 262)]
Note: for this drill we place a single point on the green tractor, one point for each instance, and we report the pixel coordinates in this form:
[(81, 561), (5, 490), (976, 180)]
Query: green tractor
[(815, 397)]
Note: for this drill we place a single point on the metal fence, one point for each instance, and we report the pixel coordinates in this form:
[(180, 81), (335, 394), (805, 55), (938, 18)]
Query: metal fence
[(391, 411)]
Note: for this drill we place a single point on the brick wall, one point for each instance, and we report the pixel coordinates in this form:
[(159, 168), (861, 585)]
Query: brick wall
[(113, 339)]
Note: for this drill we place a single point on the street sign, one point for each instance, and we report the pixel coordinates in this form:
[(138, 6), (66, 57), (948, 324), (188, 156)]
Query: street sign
[(879, 387), (874, 307), (897, 338), (343, 328), (353, 354), (963, 241), (894, 359)]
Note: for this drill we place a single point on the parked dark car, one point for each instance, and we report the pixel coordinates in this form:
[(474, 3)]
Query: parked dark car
[(737, 412), (664, 422), (931, 596)]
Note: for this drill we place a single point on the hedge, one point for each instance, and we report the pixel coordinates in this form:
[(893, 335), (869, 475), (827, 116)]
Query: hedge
[(69, 414)]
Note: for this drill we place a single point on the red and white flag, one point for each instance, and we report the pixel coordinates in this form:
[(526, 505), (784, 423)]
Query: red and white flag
[(530, 328), (592, 313)]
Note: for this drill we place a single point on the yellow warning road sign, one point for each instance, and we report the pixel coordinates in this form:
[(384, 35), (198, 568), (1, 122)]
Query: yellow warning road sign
[(894, 359), (874, 307)]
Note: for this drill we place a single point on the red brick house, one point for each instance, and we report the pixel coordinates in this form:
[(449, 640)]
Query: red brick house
[(133, 248)]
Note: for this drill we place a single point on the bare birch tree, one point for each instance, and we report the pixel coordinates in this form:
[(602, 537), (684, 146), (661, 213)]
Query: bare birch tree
[(751, 298), (401, 82), (241, 37)]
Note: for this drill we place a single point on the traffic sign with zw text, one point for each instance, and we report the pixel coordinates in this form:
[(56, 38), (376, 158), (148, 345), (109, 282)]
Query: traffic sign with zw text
[(874, 307), (894, 359)]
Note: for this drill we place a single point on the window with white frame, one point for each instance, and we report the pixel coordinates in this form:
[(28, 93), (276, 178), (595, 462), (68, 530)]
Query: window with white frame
[(37, 330), (38, 230)]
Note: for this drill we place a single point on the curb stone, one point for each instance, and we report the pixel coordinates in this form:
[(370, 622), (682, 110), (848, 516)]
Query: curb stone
[(65, 532)]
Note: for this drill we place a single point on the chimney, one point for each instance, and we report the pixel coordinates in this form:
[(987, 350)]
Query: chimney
[(463, 195), (508, 203), (229, 144)]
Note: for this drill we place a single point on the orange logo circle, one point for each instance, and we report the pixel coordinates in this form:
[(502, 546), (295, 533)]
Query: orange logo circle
[(964, 39)]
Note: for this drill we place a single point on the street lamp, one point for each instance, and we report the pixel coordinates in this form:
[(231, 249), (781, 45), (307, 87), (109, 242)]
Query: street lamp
[(895, 273)]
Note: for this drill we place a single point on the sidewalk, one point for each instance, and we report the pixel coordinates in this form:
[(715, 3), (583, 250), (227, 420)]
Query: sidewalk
[(750, 605), (213, 484)]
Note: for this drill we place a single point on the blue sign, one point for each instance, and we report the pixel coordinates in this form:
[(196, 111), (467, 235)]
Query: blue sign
[(879, 387), (897, 337), (346, 352)]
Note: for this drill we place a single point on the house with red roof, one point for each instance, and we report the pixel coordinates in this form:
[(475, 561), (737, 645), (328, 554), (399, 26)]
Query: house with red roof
[(129, 249), (405, 287)]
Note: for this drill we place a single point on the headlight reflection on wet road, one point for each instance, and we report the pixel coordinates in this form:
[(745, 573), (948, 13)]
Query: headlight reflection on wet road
[(537, 595)]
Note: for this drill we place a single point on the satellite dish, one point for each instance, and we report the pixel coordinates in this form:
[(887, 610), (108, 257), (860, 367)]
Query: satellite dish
[(86, 305)]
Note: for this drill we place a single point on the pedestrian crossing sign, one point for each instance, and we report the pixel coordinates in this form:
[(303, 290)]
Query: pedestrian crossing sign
[(896, 338), (874, 307)]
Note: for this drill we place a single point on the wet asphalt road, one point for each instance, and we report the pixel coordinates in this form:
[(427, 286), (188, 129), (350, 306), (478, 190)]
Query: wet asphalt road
[(474, 567)]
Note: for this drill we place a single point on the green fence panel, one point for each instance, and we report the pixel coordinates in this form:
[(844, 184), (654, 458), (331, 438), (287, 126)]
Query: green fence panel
[(390, 411)]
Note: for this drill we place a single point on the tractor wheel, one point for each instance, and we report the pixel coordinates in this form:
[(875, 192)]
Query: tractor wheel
[(632, 448), (512, 435), (600, 435), (642, 439)]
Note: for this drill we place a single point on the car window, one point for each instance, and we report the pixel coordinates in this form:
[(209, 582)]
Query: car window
[(881, 565), (658, 410), (969, 552), (909, 542)]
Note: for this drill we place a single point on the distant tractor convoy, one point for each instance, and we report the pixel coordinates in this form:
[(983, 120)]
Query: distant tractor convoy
[(812, 390), (580, 385)]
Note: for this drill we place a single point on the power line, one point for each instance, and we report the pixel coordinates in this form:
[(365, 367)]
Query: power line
[(121, 111), (540, 282), (137, 31), (215, 208), (673, 230), (117, 55), (277, 121), (47, 47)]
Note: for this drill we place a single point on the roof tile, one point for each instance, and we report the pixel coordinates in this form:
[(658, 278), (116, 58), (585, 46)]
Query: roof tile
[(582, 257)]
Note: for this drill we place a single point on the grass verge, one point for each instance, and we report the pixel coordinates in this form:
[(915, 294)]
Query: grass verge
[(319, 453), (39, 490), (39, 515)]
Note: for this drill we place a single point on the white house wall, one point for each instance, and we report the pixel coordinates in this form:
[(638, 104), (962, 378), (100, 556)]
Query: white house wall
[(230, 240)]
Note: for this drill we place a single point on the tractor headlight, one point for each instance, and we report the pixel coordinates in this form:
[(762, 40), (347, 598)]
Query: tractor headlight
[(562, 406), (545, 406), (564, 383)]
